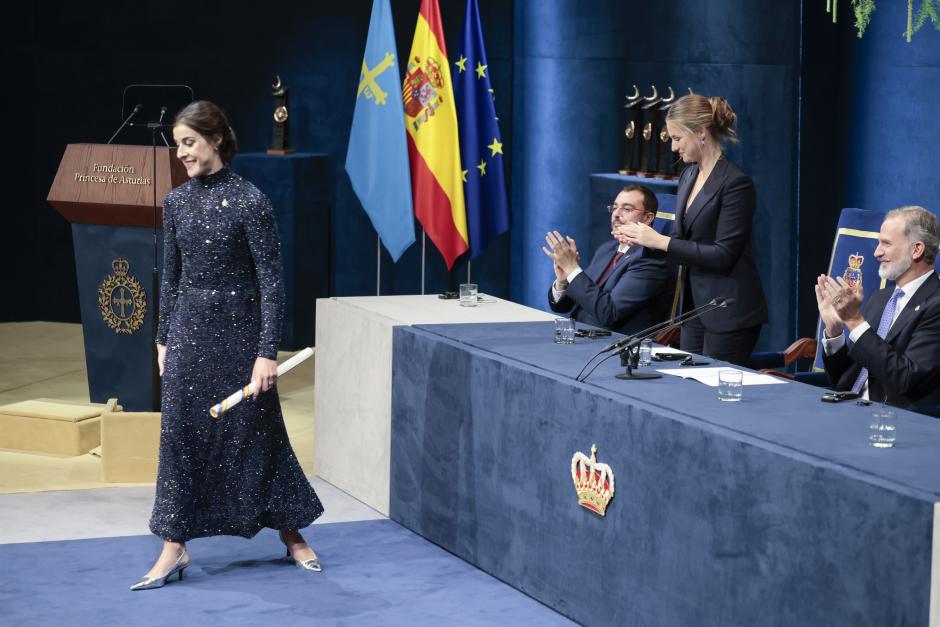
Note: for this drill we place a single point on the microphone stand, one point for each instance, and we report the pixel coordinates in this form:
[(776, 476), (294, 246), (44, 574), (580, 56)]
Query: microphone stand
[(125, 122), (630, 353), (627, 344), (155, 127), (630, 359), (648, 332)]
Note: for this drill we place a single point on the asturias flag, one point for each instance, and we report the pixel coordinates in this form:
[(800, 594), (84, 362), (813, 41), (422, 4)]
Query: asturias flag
[(377, 159), (481, 144), (433, 149)]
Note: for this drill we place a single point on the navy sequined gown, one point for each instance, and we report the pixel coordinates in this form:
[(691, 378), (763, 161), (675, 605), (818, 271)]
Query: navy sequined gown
[(221, 303)]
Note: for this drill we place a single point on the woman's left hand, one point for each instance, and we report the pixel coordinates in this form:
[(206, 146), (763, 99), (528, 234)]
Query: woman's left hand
[(641, 234), (264, 374)]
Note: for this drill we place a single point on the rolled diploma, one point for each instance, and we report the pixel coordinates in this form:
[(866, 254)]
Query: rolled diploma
[(282, 369)]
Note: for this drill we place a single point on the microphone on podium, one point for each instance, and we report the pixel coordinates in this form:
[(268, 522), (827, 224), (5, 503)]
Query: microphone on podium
[(136, 110), (160, 125)]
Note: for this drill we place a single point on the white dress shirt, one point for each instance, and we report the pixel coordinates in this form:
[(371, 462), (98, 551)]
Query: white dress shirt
[(558, 289)]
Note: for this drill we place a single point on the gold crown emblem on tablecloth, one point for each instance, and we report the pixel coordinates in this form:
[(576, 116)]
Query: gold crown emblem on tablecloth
[(121, 299), (593, 481)]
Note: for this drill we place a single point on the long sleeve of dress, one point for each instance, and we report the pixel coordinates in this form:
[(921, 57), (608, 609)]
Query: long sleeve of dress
[(265, 246), (169, 284)]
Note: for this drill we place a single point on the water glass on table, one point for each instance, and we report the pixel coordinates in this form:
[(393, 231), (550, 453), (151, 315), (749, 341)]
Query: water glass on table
[(646, 352), (730, 385), (468, 294), (564, 331), (883, 428)]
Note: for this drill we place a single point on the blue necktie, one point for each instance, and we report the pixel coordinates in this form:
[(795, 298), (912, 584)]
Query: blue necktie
[(886, 317)]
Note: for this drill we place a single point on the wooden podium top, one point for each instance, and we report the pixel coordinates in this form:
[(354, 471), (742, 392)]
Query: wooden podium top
[(114, 184)]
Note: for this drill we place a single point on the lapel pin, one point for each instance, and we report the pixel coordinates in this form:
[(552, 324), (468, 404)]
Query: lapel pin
[(917, 308)]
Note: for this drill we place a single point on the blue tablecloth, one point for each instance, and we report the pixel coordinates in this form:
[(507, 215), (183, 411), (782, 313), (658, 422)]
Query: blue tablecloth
[(773, 510)]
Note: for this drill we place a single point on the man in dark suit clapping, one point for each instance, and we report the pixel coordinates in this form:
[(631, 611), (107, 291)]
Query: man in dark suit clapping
[(624, 287), (892, 353)]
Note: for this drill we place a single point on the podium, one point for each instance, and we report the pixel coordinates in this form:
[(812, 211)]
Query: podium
[(108, 194)]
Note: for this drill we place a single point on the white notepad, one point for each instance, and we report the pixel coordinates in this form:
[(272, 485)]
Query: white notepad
[(709, 376)]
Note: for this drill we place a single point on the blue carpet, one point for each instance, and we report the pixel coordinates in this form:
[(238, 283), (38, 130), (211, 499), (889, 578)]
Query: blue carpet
[(374, 573)]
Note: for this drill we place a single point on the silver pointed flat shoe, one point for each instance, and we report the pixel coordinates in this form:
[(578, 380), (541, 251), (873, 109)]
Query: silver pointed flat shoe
[(149, 583), (312, 565)]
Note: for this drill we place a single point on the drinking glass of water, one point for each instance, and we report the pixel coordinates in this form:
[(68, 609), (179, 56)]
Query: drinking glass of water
[(564, 331), (468, 294), (883, 427), (730, 385), (646, 352)]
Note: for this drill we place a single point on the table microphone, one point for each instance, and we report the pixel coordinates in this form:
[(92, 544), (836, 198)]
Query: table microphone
[(715, 303), (629, 342)]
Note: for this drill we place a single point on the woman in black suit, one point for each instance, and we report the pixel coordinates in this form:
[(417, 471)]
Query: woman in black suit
[(712, 235)]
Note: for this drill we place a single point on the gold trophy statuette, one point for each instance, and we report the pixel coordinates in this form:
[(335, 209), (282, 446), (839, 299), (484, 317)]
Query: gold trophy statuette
[(280, 143)]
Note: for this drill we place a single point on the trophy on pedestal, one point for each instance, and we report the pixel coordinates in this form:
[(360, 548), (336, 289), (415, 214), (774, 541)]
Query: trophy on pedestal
[(665, 167), (634, 118), (647, 165), (280, 143)]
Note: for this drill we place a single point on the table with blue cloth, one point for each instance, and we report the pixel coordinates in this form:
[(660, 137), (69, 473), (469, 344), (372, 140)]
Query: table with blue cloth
[(770, 511)]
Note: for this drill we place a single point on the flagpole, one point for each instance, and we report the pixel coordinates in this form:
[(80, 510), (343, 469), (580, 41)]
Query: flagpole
[(424, 241), (468, 270), (378, 265)]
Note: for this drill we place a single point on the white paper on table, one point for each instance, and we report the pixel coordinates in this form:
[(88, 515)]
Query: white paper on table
[(709, 376), (667, 350)]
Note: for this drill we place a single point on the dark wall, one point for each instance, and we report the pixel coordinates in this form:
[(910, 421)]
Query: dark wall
[(69, 69), (870, 129), (574, 68)]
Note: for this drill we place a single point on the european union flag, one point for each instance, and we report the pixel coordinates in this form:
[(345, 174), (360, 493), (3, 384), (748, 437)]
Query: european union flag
[(481, 144), (377, 159)]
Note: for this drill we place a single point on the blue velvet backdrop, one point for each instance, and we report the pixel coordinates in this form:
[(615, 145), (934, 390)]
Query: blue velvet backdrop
[(868, 128), (826, 119), (574, 67)]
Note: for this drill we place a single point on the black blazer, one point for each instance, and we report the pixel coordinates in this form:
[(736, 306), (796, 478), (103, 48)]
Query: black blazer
[(904, 367), (633, 297), (713, 239)]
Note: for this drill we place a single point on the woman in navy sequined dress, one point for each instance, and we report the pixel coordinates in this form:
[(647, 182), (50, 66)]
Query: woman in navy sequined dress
[(221, 304)]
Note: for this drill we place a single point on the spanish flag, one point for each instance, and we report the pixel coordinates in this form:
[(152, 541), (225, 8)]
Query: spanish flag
[(433, 145)]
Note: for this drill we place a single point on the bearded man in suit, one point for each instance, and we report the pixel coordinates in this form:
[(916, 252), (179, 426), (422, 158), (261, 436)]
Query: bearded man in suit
[(624, 288), (892, 353)]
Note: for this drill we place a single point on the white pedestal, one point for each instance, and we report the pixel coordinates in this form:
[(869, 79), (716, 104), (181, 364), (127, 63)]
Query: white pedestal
[(353, 380)]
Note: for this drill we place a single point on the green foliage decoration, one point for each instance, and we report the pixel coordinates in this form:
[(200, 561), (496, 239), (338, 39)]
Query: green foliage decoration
[(929, 9), (863, 10)]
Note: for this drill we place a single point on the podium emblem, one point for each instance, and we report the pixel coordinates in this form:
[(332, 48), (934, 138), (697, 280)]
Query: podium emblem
[(121, 299), (593, 482)]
